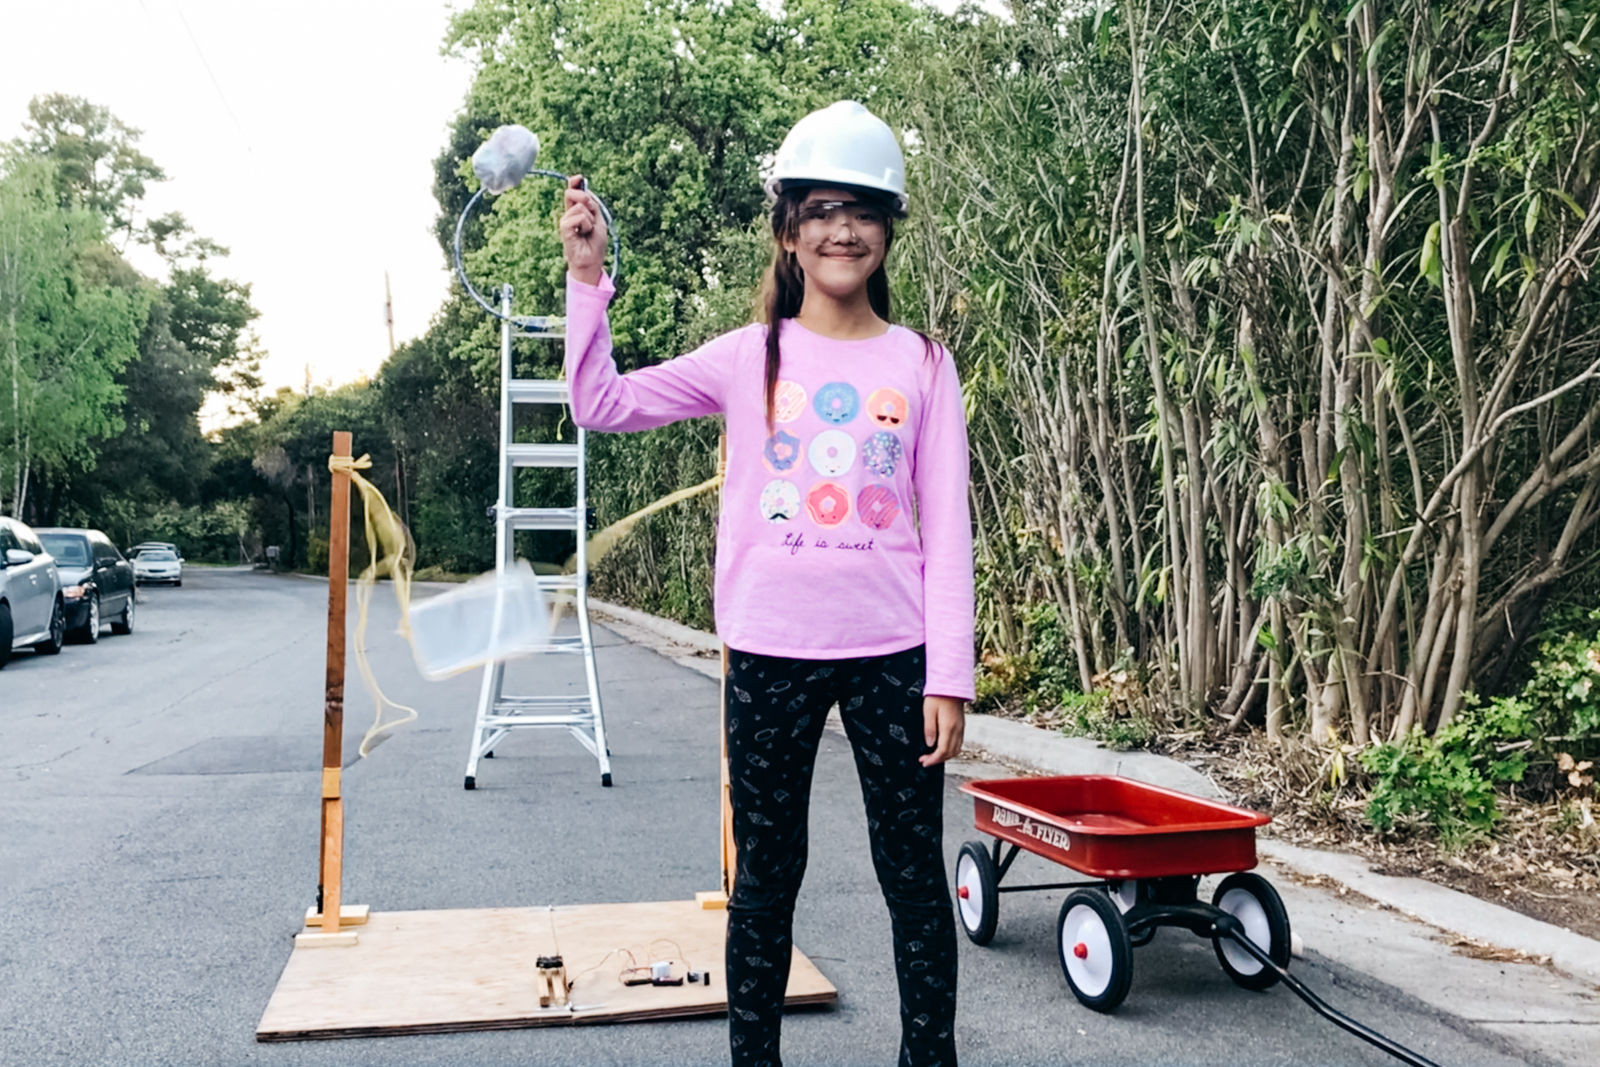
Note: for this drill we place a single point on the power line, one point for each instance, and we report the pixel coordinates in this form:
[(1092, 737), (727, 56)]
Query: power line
[(214, 83)]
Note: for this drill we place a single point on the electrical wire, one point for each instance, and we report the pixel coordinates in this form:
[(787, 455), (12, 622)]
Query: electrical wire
[(1228, 926), (214, 83), (553, 939)]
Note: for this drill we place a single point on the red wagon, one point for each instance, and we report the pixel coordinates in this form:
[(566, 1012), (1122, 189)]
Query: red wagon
[(1145, 849)]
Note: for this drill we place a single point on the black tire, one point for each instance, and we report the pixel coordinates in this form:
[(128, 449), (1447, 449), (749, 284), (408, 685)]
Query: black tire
[(178, 584), (1251, 899), (6, 634), (89, 632), (124, 625), (51, 645), (977, 893), (1096, 956)]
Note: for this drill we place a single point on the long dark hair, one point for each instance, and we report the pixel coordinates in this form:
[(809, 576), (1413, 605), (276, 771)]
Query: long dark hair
[(783, 289)]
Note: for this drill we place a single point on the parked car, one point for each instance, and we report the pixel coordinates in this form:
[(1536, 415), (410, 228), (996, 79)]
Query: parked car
[(97, 584), (158, 565), (31, 611), (143, 545)]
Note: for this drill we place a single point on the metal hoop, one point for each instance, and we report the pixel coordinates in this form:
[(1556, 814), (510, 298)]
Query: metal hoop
[(461, 224)]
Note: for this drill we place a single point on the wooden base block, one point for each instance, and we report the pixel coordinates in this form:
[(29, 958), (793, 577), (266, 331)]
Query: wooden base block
[(349, 915), (422, 972), (318, 940), (713, 900)]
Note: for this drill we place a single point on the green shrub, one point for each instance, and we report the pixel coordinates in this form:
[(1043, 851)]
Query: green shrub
[(317, 554), (1093, 716), (1050, 653), (1448, 781), (1565, 687)]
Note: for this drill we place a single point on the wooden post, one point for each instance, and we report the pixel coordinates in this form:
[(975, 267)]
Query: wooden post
[(331, 865), (333, 700)]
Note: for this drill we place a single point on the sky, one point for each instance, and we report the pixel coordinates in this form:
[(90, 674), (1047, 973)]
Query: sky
[(299, 134)]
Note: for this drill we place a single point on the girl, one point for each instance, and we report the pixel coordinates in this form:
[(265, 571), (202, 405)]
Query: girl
[(844, 557)]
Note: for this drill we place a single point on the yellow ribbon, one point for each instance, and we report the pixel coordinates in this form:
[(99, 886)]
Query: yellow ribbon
[(607, 539), (390, 552)]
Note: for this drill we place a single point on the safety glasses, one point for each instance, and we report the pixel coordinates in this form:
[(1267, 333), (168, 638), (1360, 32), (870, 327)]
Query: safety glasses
[(864, 220)]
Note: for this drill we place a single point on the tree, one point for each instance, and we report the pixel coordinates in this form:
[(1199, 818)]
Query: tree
[(1282, 372), (98, 163), (69, 321)]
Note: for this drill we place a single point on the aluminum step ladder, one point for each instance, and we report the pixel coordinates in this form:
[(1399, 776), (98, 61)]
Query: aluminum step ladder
[(498, 712)]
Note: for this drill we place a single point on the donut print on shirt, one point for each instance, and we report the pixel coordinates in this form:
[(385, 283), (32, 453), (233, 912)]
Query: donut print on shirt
[(781, 451), (828, 503), (788, 401), (837, 402), (832, 452), (887, 407), (780, 501), (881, 453), (878, 506)]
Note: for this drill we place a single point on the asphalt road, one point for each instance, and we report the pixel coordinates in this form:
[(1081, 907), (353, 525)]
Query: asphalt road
[(159, 799)]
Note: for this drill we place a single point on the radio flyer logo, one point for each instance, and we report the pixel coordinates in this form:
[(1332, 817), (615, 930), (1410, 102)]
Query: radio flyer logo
[(1053, 836)]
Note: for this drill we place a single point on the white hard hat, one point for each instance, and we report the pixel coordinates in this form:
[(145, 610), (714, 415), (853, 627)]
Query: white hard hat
[(842, 144)]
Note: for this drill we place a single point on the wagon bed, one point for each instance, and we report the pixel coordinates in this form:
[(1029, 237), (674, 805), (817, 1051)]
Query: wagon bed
[(1116, 828)]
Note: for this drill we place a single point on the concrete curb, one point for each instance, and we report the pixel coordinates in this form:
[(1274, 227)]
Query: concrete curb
[(1050, 753), (676, 632), (1447, 909)]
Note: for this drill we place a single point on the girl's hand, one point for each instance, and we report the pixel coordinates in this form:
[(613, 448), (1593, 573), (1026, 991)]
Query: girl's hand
[(583, 233), (944, 723)]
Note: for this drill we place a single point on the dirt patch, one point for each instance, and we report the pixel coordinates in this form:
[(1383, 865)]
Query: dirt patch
[(1574, 909), (1539, 861)]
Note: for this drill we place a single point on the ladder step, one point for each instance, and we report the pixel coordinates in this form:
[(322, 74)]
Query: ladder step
[(561, 455), (540, 518), (538, 391), (504, 722), (571, 700), (553, 326)]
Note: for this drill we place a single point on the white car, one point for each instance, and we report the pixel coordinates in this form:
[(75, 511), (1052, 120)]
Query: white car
[(31, 610), (158, 565)]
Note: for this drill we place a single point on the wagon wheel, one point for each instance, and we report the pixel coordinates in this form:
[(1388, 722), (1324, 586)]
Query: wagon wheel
[(977, 893), (1251, 899), (1096, 955)]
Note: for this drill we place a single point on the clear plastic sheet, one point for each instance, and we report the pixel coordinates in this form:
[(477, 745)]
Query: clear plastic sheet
[(505, 158), (490, 619)]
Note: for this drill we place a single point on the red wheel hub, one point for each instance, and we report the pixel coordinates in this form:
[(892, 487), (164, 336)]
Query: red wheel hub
[(1081, 950)]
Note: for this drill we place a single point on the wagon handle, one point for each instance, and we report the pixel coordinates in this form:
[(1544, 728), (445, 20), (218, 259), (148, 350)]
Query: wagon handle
[(1226, 925)]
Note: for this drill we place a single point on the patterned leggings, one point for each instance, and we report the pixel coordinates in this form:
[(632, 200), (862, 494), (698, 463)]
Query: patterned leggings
[(776, 711)]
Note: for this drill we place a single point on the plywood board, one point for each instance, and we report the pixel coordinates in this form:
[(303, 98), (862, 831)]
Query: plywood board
[(429, 972)]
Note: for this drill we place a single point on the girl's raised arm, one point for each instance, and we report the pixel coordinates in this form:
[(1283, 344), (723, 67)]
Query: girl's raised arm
[(602, 399), (682, 388)]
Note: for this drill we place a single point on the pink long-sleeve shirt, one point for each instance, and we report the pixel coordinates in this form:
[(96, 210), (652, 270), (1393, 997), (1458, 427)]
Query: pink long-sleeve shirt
[(845, 531)]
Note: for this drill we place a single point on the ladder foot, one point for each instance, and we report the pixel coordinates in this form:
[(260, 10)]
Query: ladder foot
[(489, 754), (472, 782), (605, 779)]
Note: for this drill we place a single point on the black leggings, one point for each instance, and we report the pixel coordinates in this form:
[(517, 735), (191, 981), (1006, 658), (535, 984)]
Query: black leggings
[(776, 711)]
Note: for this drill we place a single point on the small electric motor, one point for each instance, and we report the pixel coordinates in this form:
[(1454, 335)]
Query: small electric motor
[(553, 986)]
